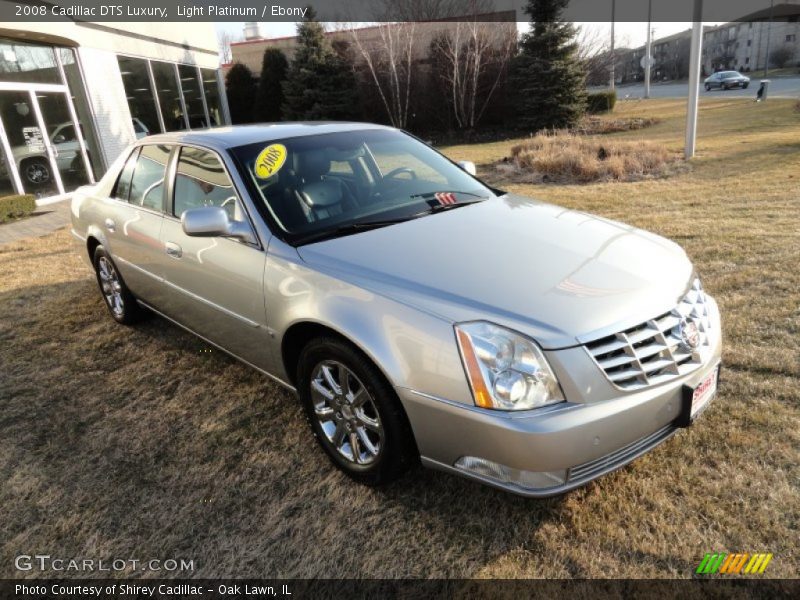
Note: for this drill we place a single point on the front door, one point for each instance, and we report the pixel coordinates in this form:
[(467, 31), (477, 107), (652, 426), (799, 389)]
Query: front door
[(215, 284), (44, 153)]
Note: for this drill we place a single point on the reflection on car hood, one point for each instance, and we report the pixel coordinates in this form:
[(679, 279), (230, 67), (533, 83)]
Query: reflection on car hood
[(561, 276)]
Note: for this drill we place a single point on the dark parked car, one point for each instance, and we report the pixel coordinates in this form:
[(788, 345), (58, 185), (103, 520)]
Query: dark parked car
[(726, 80)]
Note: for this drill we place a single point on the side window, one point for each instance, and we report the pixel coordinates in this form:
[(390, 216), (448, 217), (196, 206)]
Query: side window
[(147, 184), (341, 167), (201, 180), (123, 187)]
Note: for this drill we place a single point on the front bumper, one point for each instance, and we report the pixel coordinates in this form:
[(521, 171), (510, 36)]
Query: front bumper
[(582, 439)]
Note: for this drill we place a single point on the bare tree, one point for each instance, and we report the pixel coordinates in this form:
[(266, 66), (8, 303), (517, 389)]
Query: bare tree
[(469, 52), (224, 41), (388, 58), (783, 56), (594, 51)]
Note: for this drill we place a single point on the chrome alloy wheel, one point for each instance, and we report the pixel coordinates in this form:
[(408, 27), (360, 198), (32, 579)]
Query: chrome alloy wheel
[(346, 413), (111, 286)]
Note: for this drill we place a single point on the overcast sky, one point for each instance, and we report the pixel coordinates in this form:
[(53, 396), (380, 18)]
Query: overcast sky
[(627, 34)]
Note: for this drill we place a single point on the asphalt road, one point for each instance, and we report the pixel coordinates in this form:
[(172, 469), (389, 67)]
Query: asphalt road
[(784, 87)]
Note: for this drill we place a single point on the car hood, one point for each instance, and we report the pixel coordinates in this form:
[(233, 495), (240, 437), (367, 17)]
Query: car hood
[(563, 277)]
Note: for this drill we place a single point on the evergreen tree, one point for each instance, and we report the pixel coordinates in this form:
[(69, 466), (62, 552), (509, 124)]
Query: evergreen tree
[(320, 84), (547, 76), (240, 88), (269, 97)]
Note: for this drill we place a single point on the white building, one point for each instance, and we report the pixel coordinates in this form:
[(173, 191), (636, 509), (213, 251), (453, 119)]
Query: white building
[(73, 95)]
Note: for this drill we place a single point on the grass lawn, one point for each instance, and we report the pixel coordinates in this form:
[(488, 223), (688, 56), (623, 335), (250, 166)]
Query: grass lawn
[(118, 442)]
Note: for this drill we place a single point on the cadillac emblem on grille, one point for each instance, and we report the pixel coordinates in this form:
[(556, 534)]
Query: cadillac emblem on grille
[(690, 333)]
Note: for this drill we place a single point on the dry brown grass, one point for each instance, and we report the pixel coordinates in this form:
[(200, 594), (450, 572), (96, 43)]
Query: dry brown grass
[(132, 442), (594, 125), (564, 157)]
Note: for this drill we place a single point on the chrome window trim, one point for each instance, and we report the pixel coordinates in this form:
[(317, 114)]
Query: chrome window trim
[(172, 172)]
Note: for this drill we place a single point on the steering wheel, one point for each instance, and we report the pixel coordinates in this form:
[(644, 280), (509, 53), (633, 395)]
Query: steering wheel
[(390, 181), (399, 171)]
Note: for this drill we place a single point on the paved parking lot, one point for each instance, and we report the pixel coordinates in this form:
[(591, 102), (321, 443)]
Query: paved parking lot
[(784, 87), (45, 219)]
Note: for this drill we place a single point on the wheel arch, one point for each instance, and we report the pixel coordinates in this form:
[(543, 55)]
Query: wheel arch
[(301, 333), (91, 245)]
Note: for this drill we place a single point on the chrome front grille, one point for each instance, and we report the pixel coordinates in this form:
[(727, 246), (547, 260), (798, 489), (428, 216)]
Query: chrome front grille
[(618, 458), (656, 351)]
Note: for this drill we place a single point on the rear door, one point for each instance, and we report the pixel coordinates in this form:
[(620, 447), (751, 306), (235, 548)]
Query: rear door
[(215, 283), (134, 215)]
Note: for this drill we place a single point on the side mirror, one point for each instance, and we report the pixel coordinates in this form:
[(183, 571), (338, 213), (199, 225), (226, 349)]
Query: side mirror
[(468, 166), (213, 221), (59, 139)]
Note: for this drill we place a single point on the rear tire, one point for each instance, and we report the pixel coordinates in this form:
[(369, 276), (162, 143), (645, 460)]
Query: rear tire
[(354, 412), (119, 300)]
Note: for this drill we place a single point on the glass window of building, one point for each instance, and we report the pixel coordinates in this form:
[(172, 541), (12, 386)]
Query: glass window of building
[(192, 96), (169, 95), (213, 102), (139, 92), (21, 62), (6, 183), (77, 90), (28, 143), (54, 107)]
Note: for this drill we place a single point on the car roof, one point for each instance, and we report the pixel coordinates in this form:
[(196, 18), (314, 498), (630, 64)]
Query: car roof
[(241, 135)]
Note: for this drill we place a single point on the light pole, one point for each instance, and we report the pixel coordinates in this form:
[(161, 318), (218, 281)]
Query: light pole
[(694, 79), (648, 53), (612, 83), (769, 35)]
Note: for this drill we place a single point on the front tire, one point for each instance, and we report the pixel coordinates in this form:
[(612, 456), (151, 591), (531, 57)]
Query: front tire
[(120, 302), (354, 412), (708, 87), (36, 171)]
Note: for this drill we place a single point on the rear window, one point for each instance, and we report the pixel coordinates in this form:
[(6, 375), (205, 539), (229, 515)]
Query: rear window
[(147, 184), (123, 187)]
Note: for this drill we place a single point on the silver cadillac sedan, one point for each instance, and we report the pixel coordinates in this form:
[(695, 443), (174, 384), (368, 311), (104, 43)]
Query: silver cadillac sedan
[(418, 313)]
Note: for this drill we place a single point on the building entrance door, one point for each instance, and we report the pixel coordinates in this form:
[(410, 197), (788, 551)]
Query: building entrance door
[(43, 150)]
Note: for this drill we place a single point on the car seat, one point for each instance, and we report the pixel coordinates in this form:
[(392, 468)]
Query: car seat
[(319, 195)]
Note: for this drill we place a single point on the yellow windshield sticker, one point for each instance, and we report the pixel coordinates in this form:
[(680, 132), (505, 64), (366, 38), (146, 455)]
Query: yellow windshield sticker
[(270, 161)]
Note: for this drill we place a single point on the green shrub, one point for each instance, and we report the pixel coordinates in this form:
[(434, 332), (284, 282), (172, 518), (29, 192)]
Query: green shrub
[(599, 102), (14, 207)]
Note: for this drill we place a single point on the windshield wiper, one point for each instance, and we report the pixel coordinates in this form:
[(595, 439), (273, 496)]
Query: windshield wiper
[(348, 229)]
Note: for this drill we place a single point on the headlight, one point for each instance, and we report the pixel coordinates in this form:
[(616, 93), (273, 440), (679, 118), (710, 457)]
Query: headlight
[(506, 371)]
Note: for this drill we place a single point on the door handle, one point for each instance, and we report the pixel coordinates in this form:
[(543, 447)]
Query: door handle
[(173, 249), (110, 225)]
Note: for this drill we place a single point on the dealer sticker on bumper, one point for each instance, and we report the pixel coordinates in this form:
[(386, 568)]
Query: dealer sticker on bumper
[(703, 393), (696, 399)]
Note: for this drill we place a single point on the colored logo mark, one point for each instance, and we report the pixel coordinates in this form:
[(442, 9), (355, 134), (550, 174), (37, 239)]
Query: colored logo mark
[(733, 564)]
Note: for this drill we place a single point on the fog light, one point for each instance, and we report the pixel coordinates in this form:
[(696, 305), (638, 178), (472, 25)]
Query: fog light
[(529, 480)]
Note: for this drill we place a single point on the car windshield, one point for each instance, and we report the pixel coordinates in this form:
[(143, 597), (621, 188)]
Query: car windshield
[(326, 185)]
